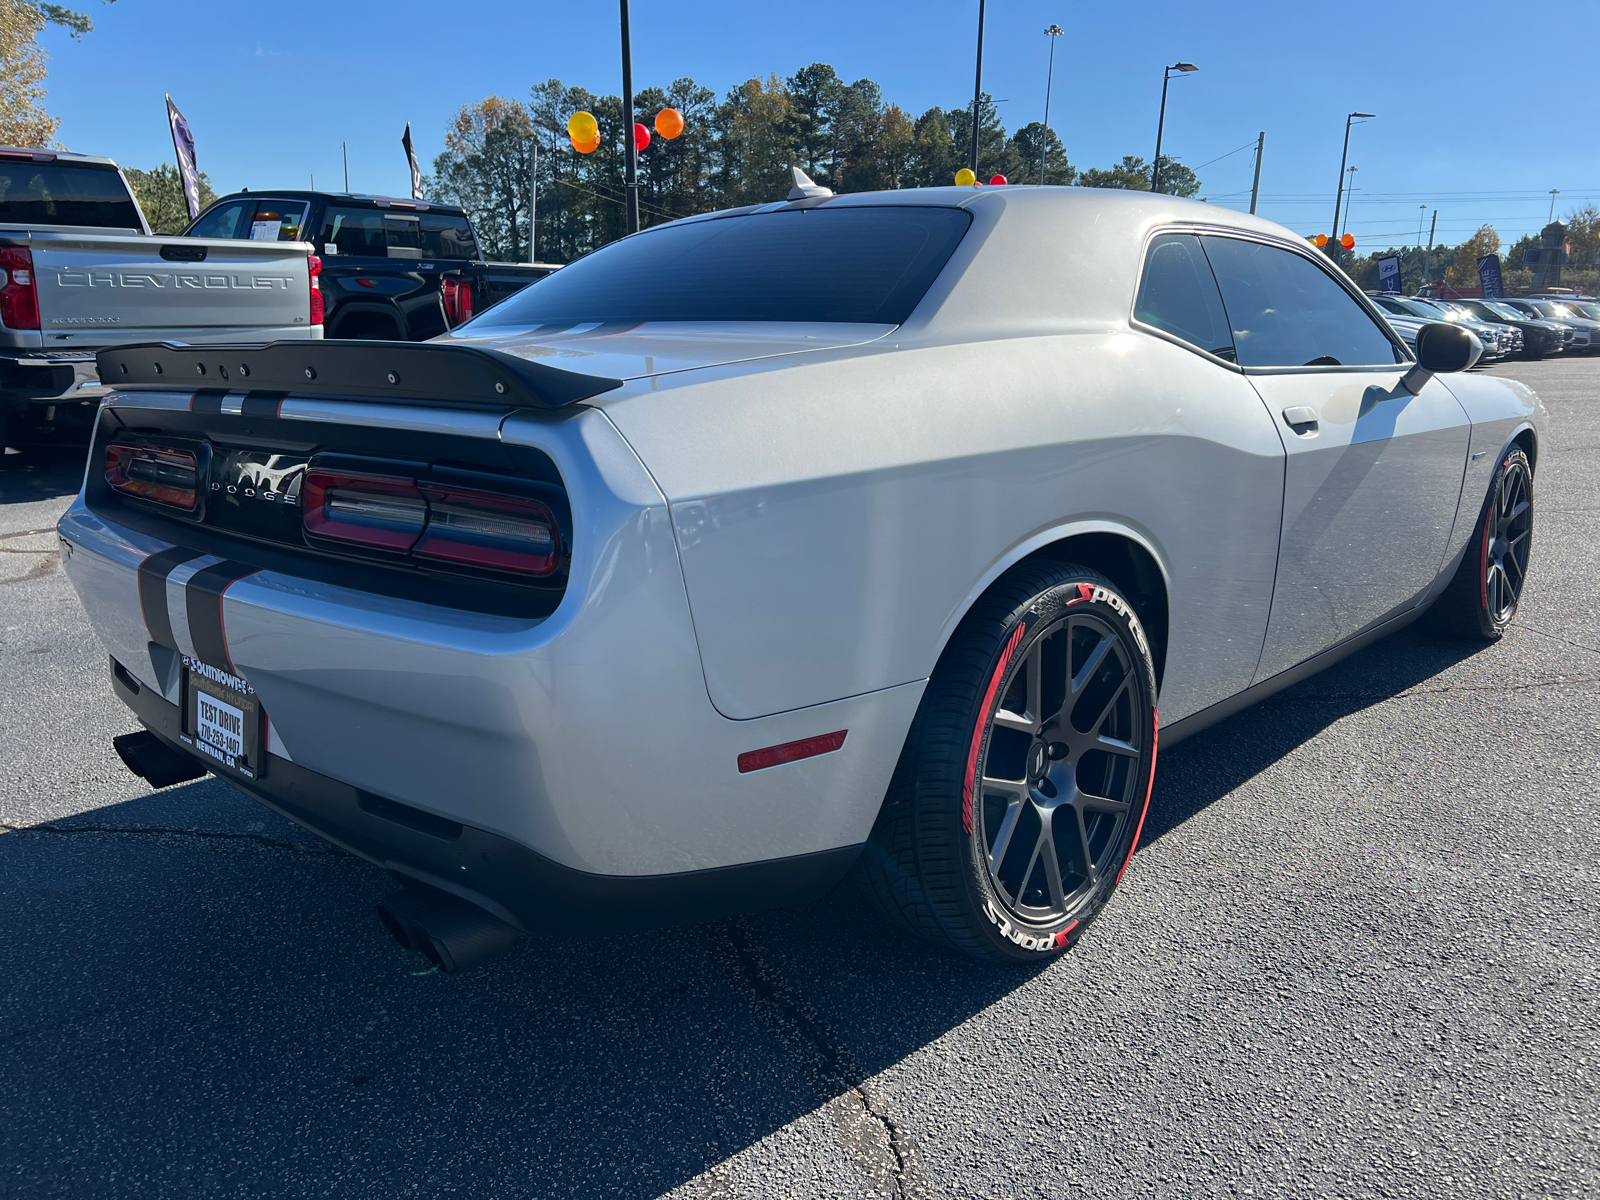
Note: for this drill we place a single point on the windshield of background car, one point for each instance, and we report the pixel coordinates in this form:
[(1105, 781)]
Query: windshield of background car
[(1288, 312), (869, 264), (62, 193), (1505, 310)]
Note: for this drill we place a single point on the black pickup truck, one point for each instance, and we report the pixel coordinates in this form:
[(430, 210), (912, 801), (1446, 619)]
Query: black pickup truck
[(394, 270)]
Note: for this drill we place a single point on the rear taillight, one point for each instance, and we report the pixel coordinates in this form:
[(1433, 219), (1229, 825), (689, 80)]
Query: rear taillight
[(169, 477), (432, 520), (314, 273), (19, 298), (481, 529), (457, 297), (381, 511)]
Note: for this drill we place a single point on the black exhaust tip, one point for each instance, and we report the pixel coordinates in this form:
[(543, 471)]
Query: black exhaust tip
[(450, 932), (153, 761)]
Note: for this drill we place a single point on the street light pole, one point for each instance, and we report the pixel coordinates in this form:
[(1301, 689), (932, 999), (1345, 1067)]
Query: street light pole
[(1052, 33), (977, 91), (631, 171), (1427, 258), (1554, 192), (1338, 197), (1161, 123)]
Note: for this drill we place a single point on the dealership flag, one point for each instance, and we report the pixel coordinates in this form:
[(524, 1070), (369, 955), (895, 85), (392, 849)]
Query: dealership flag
[(1389, 274), (411, 159), (1489, 276), (183, 143)]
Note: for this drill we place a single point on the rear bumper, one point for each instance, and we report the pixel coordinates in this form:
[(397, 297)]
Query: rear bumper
[(516, 884), (48, 378)]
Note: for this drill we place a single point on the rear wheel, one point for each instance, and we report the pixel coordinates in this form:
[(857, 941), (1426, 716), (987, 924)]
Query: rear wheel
[(1483, 596), (1019, 796)]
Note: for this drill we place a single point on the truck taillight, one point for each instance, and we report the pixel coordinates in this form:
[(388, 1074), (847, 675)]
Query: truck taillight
[(457, 297), (169, 477), (483, 529), (314, 273), (19, 298)]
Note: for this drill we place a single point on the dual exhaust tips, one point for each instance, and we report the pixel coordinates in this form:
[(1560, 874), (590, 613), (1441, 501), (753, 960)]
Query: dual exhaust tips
[(451, 933)]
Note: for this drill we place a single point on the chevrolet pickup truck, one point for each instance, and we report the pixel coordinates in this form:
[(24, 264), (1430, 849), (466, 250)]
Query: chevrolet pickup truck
[(80, 271), (392, 269)]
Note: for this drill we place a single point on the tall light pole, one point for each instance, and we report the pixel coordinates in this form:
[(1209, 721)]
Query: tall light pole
[(1422, 215), (631, 171), (1554, 192), (1184, 69), (1052, 33), (1338, 197), (977, 91)]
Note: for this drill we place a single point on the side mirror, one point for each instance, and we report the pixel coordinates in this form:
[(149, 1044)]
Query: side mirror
[(1441, 348)]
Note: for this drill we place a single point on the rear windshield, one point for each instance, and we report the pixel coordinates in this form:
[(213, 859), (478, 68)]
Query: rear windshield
[(817, 264), (390, 233), (62, 193)]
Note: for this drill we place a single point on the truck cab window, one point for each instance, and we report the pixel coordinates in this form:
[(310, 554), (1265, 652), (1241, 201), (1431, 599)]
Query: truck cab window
[(276, 221), (222, 221)]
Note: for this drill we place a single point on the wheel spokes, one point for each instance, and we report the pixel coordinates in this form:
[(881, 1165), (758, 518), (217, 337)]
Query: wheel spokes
[(1030, 720), (1091, 665), (1002, 837)]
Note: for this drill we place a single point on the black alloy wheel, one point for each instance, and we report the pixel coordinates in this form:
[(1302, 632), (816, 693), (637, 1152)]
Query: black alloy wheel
[(1019, 797), (1482, 597)]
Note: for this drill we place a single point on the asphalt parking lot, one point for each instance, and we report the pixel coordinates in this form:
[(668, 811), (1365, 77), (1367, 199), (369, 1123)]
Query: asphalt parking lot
[(1356, 955)]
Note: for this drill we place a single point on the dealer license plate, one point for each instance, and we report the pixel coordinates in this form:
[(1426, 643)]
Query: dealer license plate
[(222, 719)]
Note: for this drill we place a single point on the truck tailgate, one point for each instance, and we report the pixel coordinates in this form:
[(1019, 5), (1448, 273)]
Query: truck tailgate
[(91, 285)]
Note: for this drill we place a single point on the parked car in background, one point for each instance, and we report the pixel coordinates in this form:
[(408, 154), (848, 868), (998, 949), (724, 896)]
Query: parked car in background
[(79, 270), (1511, 340), (393, 270), (1540, 338), (1585, 333), (1497, 340)]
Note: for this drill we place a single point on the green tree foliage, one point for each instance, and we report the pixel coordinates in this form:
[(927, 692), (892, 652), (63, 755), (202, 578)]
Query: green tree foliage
[(733, 151), (1463, 272), (160, 194)]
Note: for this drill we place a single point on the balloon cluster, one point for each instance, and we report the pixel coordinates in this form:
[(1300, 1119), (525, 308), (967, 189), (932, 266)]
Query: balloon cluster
[(966, 178), (584, 130), (1347, 240)]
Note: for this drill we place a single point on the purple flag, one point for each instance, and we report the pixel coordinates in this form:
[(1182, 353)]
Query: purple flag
[(411, 160), (183, 143)]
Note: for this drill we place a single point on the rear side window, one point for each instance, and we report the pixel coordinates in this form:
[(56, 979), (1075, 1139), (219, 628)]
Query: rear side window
[(60, 193), (446, 236), (277, 221), (357, 231), (1288, 312), (227, 220), (1178, 295), (869, 264)]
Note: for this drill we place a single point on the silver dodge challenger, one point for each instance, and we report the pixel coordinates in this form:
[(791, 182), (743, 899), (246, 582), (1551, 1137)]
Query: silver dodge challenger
[(880, 534)]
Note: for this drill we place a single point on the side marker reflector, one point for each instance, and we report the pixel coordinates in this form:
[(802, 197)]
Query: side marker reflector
[(774, 756)]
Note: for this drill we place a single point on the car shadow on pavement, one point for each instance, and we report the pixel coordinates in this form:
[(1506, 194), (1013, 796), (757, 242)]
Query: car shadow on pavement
[(199, 998), (45, 473)]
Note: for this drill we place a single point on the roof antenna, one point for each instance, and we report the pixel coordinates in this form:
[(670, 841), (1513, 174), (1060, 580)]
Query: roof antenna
[(805, 189)]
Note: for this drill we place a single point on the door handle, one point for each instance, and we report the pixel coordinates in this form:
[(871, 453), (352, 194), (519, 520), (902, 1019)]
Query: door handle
[(1301, 419)]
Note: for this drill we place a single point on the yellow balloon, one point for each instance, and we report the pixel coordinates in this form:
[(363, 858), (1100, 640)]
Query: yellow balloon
[(965, 177), (582, 126)]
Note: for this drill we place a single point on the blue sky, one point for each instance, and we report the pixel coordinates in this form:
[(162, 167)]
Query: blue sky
[(272, 92)]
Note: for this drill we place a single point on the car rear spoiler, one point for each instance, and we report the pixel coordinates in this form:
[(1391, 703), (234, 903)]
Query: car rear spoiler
[(412, 372)]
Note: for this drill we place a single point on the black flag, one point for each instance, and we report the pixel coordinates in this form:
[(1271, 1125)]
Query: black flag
[(183, 143), (411, 161)]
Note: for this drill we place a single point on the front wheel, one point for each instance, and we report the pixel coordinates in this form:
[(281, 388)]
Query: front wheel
[(1482, 597), (1022, 788)]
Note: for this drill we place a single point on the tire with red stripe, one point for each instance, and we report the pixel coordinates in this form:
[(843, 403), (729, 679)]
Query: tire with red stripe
[(1020, 794), (1483, 595)]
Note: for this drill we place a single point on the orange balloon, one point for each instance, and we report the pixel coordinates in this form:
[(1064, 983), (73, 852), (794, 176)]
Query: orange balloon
[(1320, 240), (669, 123), (588, 147), (1348, 241)]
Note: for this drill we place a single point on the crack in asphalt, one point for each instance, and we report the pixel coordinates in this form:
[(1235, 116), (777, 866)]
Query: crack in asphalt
[(313, 848), (1554, 637), (877, 1143), (1333, 697)]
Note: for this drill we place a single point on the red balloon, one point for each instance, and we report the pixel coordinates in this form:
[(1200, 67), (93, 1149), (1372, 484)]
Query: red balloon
[(999, 181), (641, 137)]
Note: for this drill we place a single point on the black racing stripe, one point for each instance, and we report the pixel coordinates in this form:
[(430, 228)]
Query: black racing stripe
[(153, 573), (204, 599), (207, 400), (263, 404)]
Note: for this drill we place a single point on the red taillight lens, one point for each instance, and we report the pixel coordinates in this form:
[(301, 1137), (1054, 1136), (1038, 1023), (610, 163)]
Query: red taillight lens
[(165, 476), (482, 529), (457, 297), (19, 298), (314, 273), (368, 510)]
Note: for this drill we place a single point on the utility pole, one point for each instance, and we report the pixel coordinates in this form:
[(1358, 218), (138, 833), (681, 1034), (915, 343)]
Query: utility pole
[(977, 91), (631, 173), (1255, 188), (1052, 33), (533, 202), (343, 150), (1427, 259), (1349, 195)]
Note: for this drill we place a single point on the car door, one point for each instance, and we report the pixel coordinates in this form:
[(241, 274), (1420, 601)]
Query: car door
[(1372, 475)]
